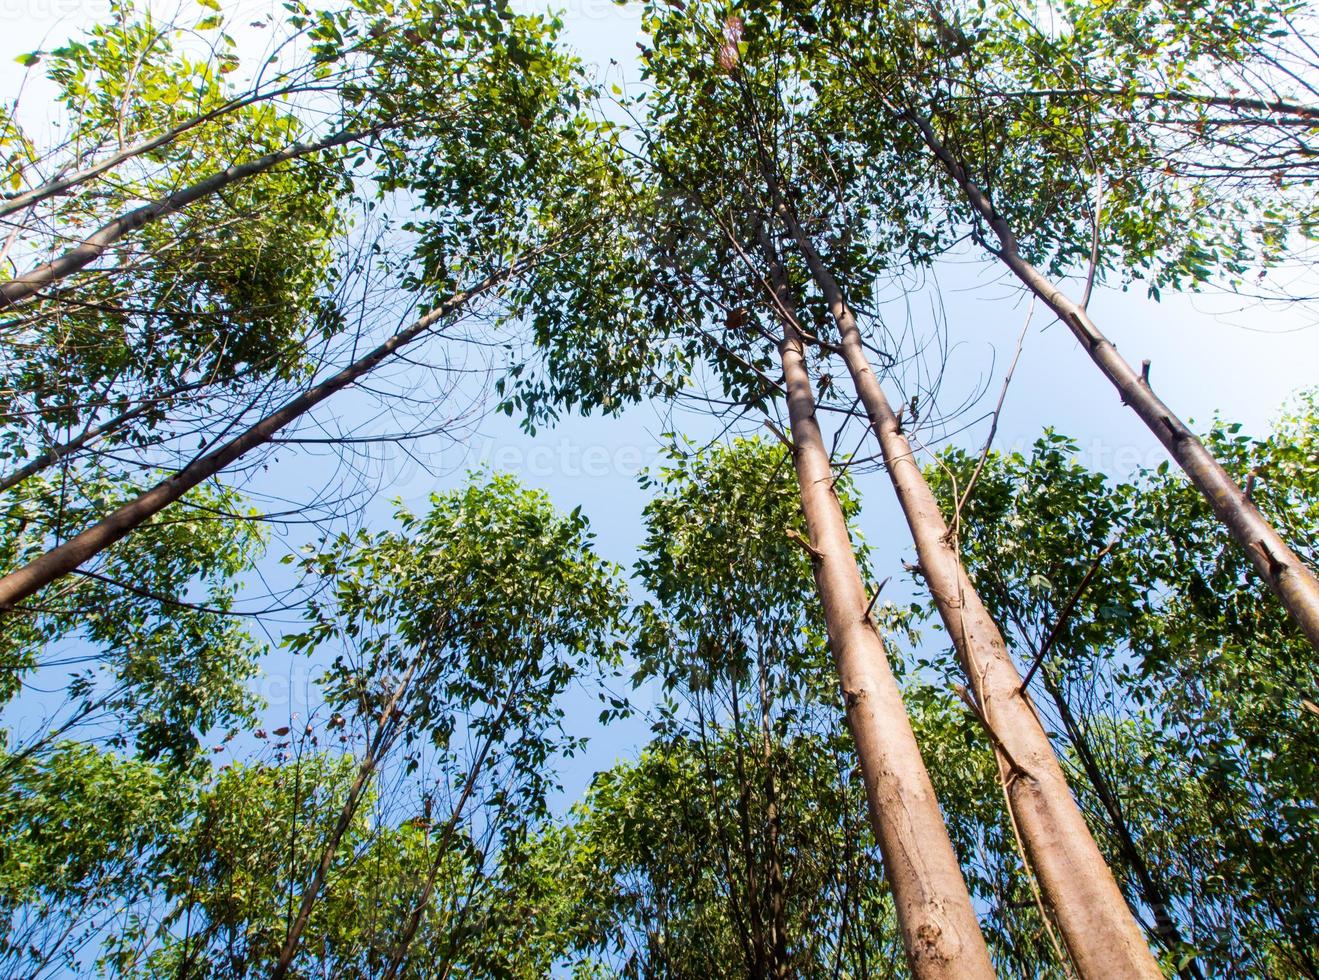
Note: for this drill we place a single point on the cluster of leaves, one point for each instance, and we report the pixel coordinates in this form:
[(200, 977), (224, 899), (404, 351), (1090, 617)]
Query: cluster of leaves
[(1173, 140), (498, 599), (231, 285), (492, 603), (154, 621)]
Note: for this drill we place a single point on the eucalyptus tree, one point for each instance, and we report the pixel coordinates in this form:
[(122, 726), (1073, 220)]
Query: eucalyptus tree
[(682, 276), (647, 856), (743, 127), (198, 300), (492, 118), (1004, 103), (149, 92), (464, 627), (736, 843), (749, 767), (1174, 694), (819, 168), (484, 611), (136, 75), (76, 824)]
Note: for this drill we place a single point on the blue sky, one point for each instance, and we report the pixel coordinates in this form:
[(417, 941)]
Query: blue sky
[(1209, 354)]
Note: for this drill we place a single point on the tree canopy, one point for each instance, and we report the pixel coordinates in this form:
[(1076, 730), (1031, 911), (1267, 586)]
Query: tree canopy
[(857, 689)]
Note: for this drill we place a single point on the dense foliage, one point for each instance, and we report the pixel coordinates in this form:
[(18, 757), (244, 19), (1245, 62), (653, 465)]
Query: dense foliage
[(342, 237)]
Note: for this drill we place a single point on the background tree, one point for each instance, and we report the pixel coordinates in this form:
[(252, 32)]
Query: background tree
[(203, 872), (1180, 700), (477, 186)]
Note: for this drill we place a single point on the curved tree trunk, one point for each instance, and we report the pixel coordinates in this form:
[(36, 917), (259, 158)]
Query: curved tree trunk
[(1102, 936), (939, 927), (64, 558), (94, 246), (1289, 577)]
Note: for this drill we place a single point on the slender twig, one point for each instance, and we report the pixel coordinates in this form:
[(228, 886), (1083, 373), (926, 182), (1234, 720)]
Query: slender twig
[(1065, 615), (993, 424)]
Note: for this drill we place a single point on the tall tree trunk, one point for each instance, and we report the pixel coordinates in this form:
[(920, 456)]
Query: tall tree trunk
[(94, 246), (939, 928), (386, 730), (1102, 936), (1293, 582), (64, 558)]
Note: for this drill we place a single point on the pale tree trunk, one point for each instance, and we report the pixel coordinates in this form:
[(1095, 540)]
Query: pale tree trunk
[(1102, 937), (23, 287), (1293, 582), (386, 730), (59, 561), (939, 928)]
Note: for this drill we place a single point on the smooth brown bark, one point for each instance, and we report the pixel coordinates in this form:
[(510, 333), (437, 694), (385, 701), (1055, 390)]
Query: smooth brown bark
[(939, 928), (1284, 572), (1102, 937), (64, 558), (23, 287)]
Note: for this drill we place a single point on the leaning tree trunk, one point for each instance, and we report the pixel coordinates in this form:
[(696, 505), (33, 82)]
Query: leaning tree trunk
[(1293, 582), (1102, 937), (64, 558), (939, 928), (23, 287)]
